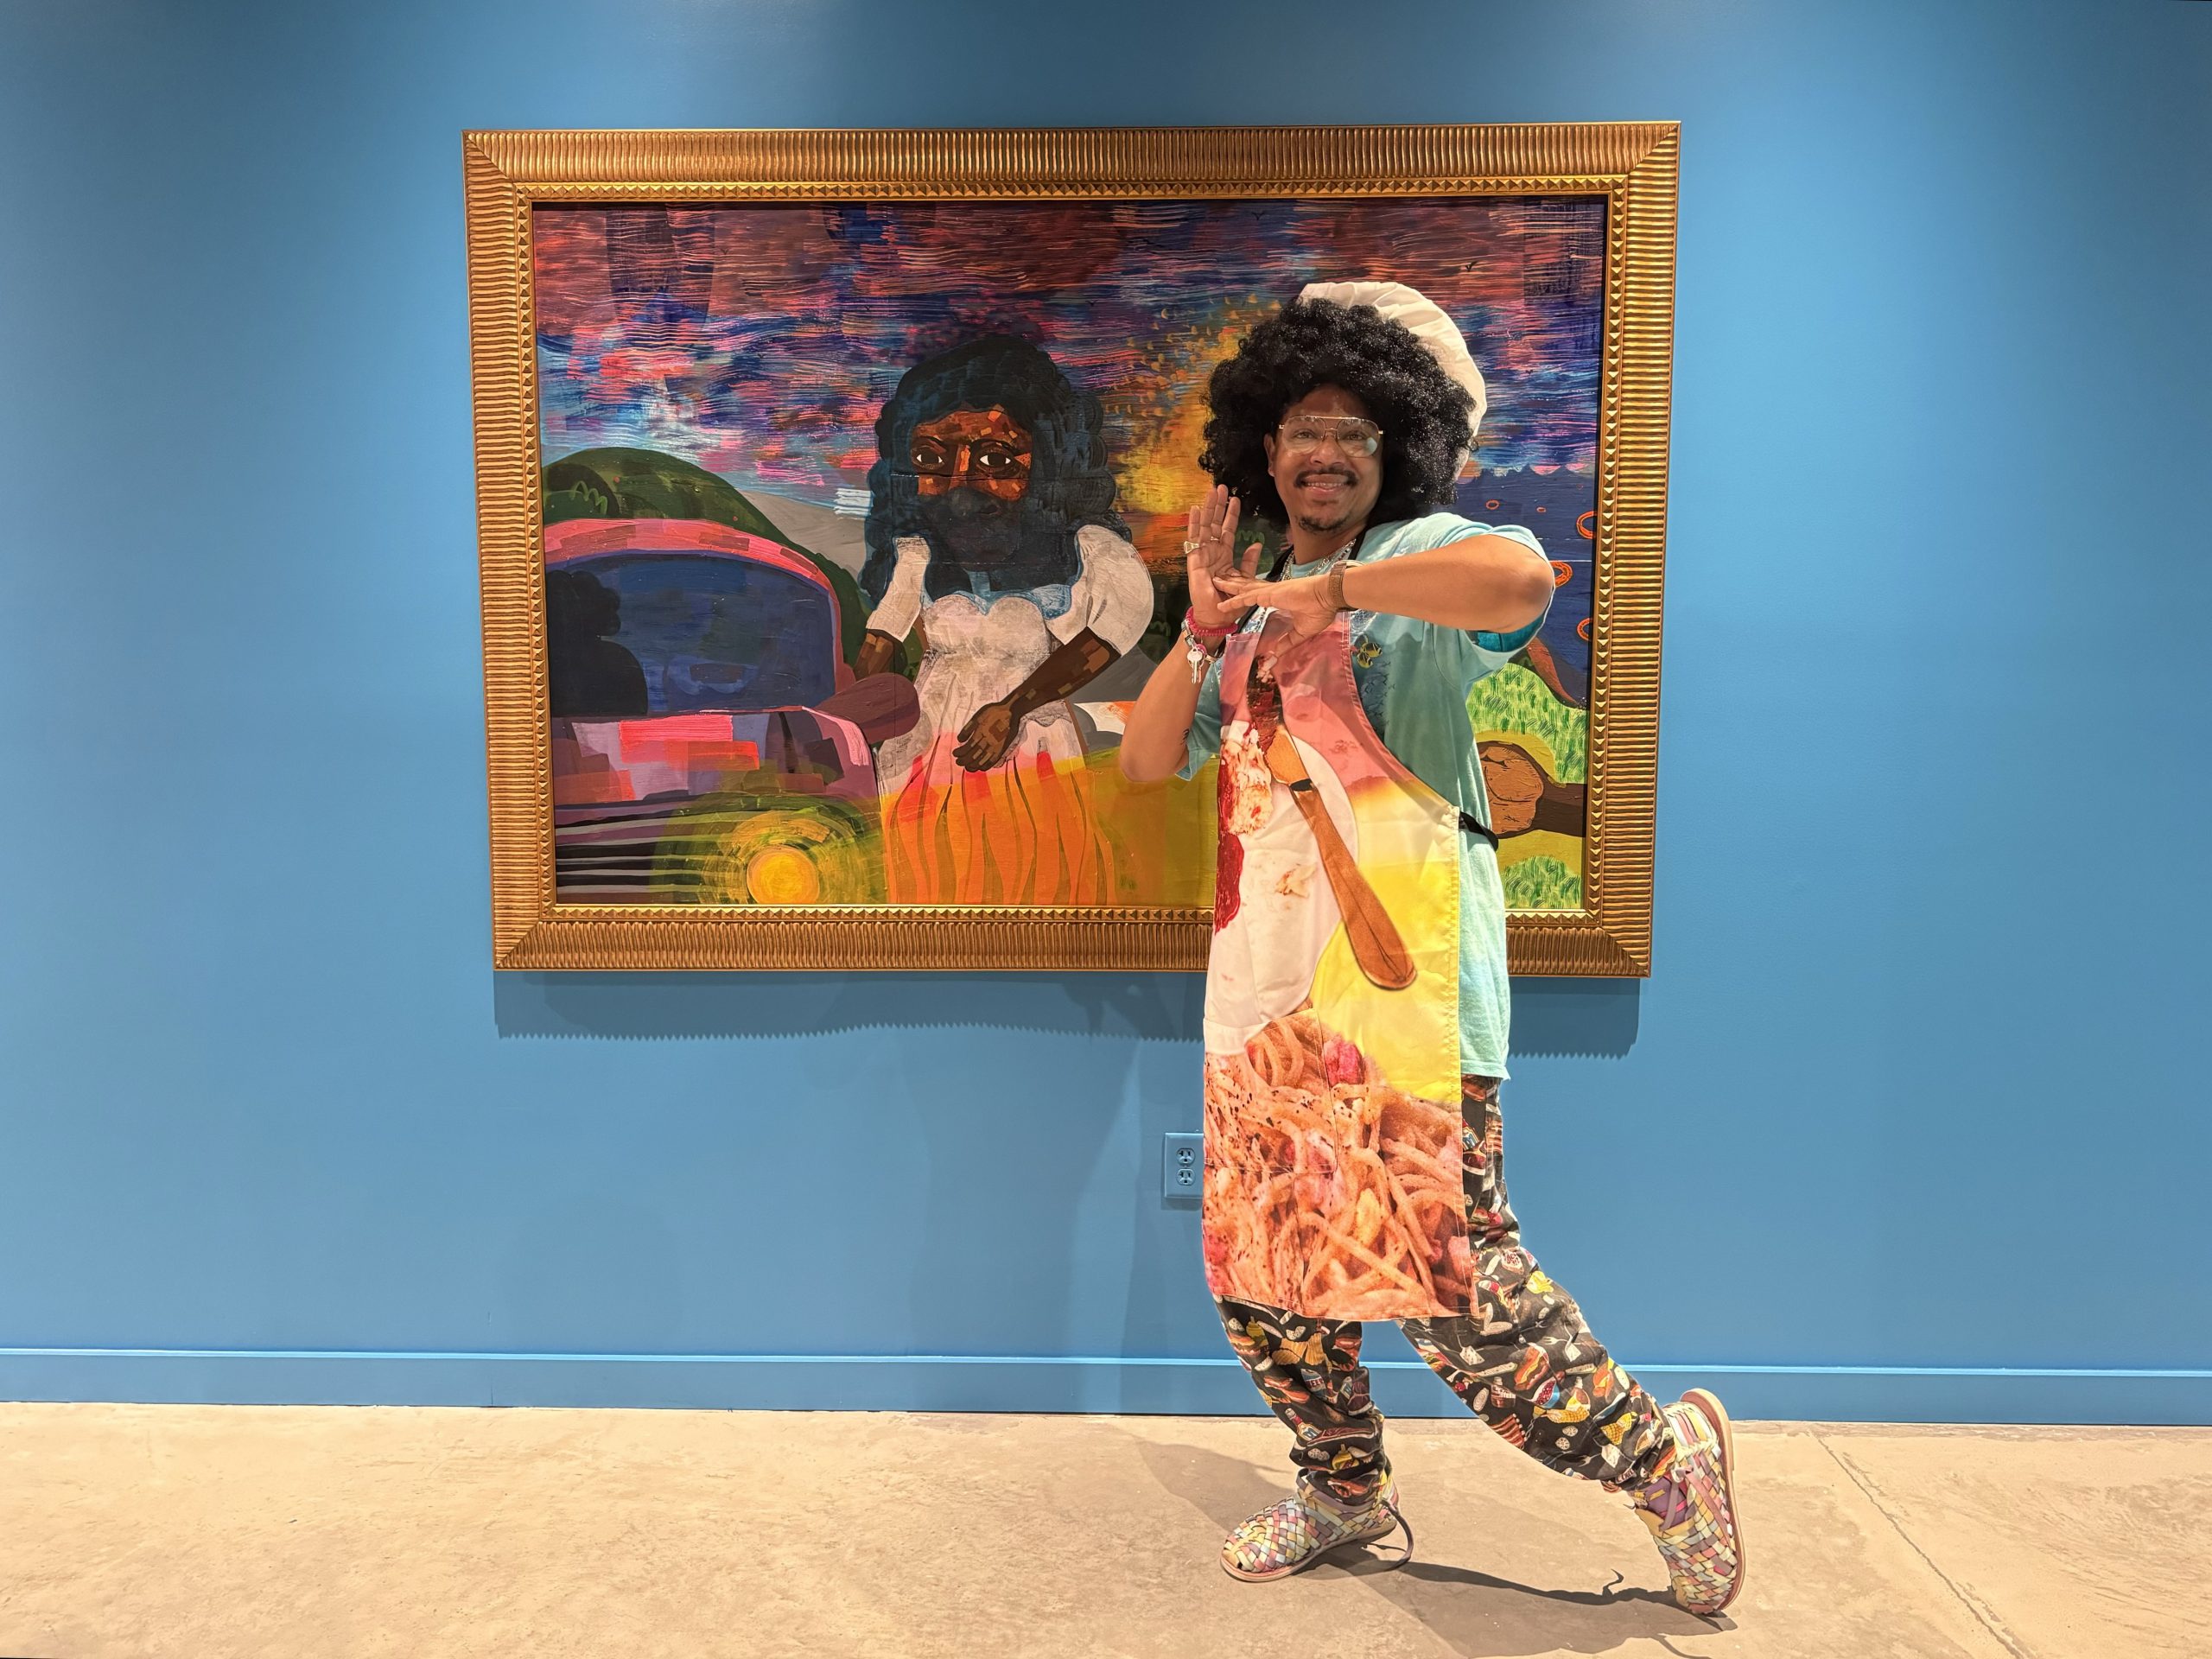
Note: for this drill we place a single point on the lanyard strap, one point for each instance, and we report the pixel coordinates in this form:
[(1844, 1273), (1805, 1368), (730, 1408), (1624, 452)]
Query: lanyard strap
[(1475, 826)]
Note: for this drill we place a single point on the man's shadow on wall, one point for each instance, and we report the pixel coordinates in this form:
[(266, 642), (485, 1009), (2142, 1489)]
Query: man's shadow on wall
[(1587, 1017)]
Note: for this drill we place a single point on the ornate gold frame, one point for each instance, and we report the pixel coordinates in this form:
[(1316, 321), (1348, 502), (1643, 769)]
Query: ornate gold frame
[(1633, 165)]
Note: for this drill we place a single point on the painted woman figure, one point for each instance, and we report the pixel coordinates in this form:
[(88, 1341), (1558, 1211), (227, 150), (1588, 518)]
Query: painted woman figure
[(992, 529), (1356, 990)]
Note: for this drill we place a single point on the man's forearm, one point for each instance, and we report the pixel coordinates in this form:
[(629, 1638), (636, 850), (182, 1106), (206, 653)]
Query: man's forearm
[(1157, 736), (1493, 583)]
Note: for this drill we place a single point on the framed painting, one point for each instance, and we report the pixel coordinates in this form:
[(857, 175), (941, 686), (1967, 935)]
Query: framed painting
[(774, 680)]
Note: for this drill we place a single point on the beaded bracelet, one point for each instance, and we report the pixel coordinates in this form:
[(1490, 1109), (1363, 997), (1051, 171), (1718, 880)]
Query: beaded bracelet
[(1198, 629), (1202, 647)]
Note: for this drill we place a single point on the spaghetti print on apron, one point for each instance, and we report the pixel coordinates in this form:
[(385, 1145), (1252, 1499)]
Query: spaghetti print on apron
[(1332, 1130)]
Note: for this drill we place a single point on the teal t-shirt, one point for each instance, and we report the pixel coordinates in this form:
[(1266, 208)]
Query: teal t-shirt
[(1413, 680)]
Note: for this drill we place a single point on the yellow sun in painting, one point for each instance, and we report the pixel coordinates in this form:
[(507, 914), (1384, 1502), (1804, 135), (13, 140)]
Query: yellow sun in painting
[(783, 876)]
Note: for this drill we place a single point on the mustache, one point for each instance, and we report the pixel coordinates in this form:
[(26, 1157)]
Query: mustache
[(1307, 476)]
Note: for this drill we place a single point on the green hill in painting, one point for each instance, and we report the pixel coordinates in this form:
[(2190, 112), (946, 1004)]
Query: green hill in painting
[(646, 483)]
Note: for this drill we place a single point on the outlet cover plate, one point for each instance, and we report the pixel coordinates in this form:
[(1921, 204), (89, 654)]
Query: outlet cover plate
[(1182, 1166)]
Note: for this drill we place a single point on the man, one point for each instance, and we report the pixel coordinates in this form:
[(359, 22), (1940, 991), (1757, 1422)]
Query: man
[(1356, 993), (992, 530)]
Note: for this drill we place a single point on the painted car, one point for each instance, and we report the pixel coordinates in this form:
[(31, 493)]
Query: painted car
[(709, 743)]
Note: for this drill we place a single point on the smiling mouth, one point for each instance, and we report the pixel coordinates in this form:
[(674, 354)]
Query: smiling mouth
[(1324, 481)]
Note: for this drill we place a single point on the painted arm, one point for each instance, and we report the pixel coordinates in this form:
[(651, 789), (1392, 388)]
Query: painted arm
[(989, 731), (1109, 604), (1494, 583), (877, 649)]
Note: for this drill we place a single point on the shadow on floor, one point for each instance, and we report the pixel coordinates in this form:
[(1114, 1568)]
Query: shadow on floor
[(1474, 1613)]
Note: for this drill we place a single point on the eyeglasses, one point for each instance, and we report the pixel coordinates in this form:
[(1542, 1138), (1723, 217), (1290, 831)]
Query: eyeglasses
[(1308, 433)]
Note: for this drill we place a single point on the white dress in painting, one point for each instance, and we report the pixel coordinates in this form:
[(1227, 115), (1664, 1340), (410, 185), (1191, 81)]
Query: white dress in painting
[(1024, 832)]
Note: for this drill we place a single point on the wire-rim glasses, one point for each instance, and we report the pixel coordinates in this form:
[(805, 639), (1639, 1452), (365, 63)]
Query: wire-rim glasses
[(1304, 433)]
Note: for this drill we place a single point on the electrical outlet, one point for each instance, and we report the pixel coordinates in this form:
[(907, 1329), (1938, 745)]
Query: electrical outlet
[(1183, 1167)]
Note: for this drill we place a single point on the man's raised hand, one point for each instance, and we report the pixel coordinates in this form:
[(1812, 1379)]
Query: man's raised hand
[(1210, 554)]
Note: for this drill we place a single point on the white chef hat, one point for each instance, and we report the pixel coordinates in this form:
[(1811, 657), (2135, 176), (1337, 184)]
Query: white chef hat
[(1428, 324)]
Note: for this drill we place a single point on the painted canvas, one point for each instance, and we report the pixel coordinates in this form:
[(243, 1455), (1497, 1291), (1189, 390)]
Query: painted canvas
[(863, 523)]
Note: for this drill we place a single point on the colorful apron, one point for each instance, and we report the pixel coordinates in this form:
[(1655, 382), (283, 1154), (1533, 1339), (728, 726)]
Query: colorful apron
[(1332, 1126)]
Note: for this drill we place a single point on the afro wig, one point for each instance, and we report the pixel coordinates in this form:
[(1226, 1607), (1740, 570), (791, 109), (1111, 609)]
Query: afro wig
[(1421, 410)]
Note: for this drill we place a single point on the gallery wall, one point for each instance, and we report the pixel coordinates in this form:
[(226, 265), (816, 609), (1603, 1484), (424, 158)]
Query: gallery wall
[(1909, 1121)]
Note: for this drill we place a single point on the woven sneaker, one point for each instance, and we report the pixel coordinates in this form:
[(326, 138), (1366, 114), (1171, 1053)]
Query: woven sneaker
[(1292, 1536), (1691, 1508)]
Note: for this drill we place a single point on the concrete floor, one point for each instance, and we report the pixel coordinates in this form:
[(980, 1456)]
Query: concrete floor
[(150, 1530)]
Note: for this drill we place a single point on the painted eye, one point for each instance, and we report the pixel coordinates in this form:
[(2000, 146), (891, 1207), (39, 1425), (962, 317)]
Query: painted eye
[(928, 456), (996, 458)]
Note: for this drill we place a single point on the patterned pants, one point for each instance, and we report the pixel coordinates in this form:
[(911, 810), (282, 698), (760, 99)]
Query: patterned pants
[(1522, 1359)]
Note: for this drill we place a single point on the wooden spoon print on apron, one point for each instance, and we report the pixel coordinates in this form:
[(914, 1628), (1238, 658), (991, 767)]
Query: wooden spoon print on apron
[(1382, 955)]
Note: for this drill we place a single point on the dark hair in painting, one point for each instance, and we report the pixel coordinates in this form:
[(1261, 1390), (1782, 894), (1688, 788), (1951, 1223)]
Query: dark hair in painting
[(1070, 483), (1421, 410)]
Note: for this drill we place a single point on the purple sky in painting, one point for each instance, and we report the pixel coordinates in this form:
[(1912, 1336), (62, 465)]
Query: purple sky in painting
[(760, 341)]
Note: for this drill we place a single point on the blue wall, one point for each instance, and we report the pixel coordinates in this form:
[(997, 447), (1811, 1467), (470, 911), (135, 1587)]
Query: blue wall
[(1906, 1123)]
